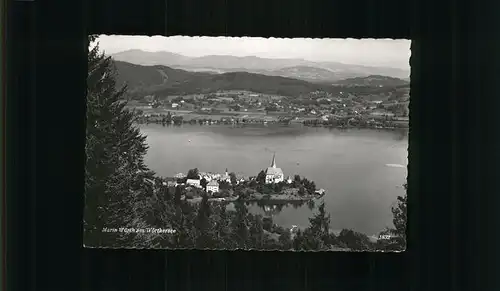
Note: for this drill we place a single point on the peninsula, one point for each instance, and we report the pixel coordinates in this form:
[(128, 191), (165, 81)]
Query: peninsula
[(270, 185)]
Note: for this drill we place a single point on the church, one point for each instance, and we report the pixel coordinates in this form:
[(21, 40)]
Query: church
[(273, 173)]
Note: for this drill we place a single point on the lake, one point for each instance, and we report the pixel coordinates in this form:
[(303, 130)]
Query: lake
[(358, 168)]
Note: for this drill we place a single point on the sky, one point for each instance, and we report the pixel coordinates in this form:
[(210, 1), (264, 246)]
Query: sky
[(368, 52)]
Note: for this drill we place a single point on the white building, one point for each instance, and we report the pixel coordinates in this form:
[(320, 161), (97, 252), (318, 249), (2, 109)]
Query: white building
[(273, 173), (193, 182), (180, 176), (213, 186)]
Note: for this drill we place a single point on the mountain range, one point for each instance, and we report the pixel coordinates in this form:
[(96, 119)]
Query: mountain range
[(163, 81), (318, 72)]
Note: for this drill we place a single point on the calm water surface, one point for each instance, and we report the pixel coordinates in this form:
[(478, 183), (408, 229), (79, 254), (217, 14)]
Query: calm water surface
[(351, 165)]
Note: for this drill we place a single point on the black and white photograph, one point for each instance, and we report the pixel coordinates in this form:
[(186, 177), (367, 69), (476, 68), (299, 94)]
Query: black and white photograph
[(226, 143)]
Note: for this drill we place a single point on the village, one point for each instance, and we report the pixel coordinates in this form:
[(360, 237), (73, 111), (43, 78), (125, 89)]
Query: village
[(388, 109), (269, 185)]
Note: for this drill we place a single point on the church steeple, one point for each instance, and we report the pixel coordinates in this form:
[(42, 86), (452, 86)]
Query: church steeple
[(273, 164)]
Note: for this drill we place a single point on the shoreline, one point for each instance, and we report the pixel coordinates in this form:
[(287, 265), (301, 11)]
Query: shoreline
[(241, 119), (406, 126), (276, 198)]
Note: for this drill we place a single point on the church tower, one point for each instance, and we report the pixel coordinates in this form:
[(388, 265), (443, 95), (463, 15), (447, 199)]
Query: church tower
[(273, 163)]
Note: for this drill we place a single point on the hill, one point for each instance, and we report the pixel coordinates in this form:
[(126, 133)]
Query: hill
[(252, 64), (164, 81), (312, 74), (140, 57), (150, 79), (373, 80)]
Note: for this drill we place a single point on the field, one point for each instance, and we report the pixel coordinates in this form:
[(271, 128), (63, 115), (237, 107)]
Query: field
[(190, 115)]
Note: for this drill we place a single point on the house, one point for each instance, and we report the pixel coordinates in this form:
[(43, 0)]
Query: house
[(289, 180), (180, 176), (193, 182), (213, 186), (273, 173)]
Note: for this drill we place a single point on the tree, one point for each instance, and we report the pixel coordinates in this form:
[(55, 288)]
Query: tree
[(354, 240), (311, 187), (296, 181), (320, 223), (256, 232), (261, 177), (177, 195), (285, 240), (224, 185), (165, 192), (280, 187), (267, 223), (232, 176), (240, 224), (316, 236), (193, 174), (394, 239), (222, 228), (399, 212), (203, 183), (203, 224), (115, 149)]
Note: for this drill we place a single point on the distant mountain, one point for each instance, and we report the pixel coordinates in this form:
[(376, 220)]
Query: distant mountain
[(140, 57), (232, 63), (296, 68), (373, 80), (147, 79), (312, 74), (164, 81)]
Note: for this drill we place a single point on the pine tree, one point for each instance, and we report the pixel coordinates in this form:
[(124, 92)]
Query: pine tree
[(285, 241), (256, 233), (240, 224), (316, 236), (114, 150), (320, 223), (184, 237), (223, 228), (203, 224), (400, 216), (177, 195)]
